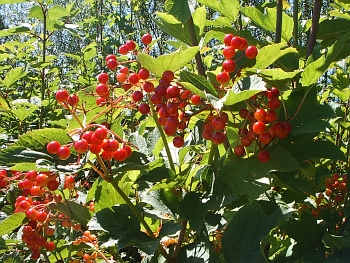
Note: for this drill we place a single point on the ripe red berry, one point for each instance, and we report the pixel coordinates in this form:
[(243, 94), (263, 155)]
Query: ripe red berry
[(278, 128), (73, 100), (41, 216), (243, 113), (236, 42), (148, 87), (112, 64), (239, 150), (263, 156), (172, 91), (111, 56), (95, 149), (274, 103), (227, 39), (195, 99), (146, 39), (121, 77), (229, 65), (50, 246), (102, 90), (271, 116), (144, 108), (274, 92), (63, 153), (128, 150), (53, 185), (100, 133), (52, 147), (168, 76), (223, 77), (251, 52), (100, 101), (31, 213), (259, 127), (110, 145), (170, 131), (260, 114), (107, 155), (134, 78), (244, 44), (229, 52), (218, 137), (218, 123), (61, 95), (178, 141), (123, 49), (81, 146), (265, 138), (102, 78), (137, 95), (120, 155), (143, 74), (131, 45), (246, 141)]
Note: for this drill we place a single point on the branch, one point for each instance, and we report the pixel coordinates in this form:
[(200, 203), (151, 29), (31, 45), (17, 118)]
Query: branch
[(278, 21), (313, 30), (295, 22)]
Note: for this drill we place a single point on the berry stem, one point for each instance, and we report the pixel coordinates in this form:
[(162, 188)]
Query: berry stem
[(162, 134)]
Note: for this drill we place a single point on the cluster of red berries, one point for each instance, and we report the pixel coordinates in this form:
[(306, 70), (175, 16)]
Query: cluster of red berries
[(214, 128), (261, 124), (97, 142), (38, 202), (234, 44)]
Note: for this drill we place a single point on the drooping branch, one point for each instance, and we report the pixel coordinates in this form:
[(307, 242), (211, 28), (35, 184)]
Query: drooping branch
[(313, 30)]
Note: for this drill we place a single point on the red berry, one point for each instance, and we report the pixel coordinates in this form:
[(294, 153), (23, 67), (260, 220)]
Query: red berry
[(144, 108), (112, 64), (41, 216), (259, 127), (244, 44), (218, 137), (120, 155), (263, 156), (243, 113), (81, 146), (131, 45), (227, 39), (223, 77), (236, 42), (246, 141), (271, 116), (195, 99), (137, 96), (102, 78), (41, 180), (265, 138), (251, 52), (260, 114), (148, 87), (278, 128), (111, 56), (239, 150), (101, 133), (168, 76), (121, 77), (100, 101), (53, 185), (143, 74), (172, 91), (146, 39), (229, 52), (274, 92), (63, 153), (229, 65), (107, 155), (31, 213), (172, 122), (73, 100), (110, 145), (273, 103), (102, 90), (95, 149), (170, 131), (178, 141), (50, 246), (123, 49), (218, 123), (134, 78), (52, 147), (124, 70), (128, 150), (62, 95)]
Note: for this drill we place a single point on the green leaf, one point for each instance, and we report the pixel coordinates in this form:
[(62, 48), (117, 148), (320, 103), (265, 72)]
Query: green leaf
[(19, 154), (267, 20), (140, 240), (315, 69), (13, 30), (36, 12), (243, 90), (4, 105), (123, 218), (179, 9), (56, 12), (343, 95), (228, 8), (242, 237), (23, 167), (277, 77), (306, 231), (104, 195), (271, 53), (249, 176), (173, 62), (11, 1), (330, 28), (193, 89), (198, 81), (14, 75), (37, 139), (75, 211), (11, 223), (199, 19), (173, 27), (169, 228)]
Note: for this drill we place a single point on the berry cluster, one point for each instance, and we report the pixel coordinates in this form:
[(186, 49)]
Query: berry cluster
[(234, 44), (214, 128), (261, 123), (336, 190)]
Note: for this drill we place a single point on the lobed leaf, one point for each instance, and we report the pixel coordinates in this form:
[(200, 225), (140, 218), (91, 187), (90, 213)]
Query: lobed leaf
[(11, 223), (227, 8)]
